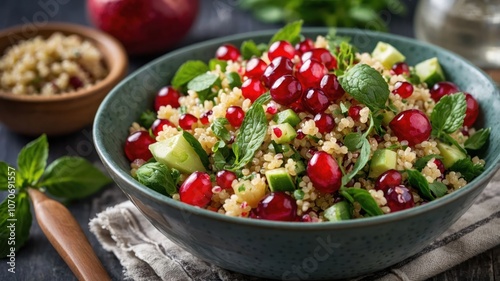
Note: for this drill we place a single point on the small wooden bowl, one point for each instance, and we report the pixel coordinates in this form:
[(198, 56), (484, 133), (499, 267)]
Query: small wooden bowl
[(63, 113)]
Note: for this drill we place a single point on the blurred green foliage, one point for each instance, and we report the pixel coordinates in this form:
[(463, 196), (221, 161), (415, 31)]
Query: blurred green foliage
[(368, 14)]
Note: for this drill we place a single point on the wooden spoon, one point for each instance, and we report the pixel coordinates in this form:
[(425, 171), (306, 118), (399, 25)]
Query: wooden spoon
[(65, 234)]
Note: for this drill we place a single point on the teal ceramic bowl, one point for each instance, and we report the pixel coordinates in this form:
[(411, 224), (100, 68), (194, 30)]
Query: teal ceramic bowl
[(281, 250)]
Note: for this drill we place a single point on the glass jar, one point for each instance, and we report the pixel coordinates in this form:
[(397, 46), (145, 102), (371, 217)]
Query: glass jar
[(470, 28)]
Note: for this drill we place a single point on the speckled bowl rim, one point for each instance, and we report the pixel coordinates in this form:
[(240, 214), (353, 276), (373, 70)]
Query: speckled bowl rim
[(483, 179), (117, 64)]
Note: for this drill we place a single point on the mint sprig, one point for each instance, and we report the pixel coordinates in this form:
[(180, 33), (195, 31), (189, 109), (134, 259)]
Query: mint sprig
[(187, 72), (364, 198), (202, 84), (448, 114), (65, 178), (478, 140), (290, 33), (249, 49)]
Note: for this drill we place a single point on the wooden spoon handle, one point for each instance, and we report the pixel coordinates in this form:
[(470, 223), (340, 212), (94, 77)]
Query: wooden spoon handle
[(65, 234)]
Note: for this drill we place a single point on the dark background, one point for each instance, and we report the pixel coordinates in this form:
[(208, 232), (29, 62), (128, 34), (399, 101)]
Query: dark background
[(38, 260)]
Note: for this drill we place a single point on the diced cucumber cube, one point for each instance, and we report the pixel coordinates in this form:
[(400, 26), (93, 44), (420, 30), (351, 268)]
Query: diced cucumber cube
[(283, 133), (280, 180), (430, 71), (450, 153), (287, 116), (339, 211), (382, 160), (177, 153), (387, 54)]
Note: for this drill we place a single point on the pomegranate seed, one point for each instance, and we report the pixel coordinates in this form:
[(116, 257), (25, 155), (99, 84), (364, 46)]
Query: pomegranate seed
[(271, 110), (399, 198), (281, 49), (186, 121), (411, 125), (278, 67), (403, 89), (465, 131), (277, 132), (167, 96), (388, 179), (286, 90), (322, 55), (440, 166), (401, 68), (204, 117), (235, 115), (441, 89), (330, 85), (227, 52), (324, 172), (304, 46), (255, 68), (137, 146), (315, 101), (353, 112), (310, 73), (225, 179), (472, 110), (252, 88), (196, 190), (75, 82), (277, 206), (306, 218), (157, 125), (297, 106), (324, 122), (300, 134)]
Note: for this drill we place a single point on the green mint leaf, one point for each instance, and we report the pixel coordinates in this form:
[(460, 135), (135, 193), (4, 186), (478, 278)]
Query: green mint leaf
[(418, 181), (467, 169), (251, 133), (187, 72), (213, 62), (365, 200), (422, 162), (73, 178), (147, 118), (176, 178), (366, 85), (234, 79), (448, 114), (353, 141), (345, 54), (249, 49), (364, 156), (377, 121), (219, 128), (290, 33), (15, 222), (477, 140), (196, 145), (439, 189), (158, 177), (223, 156), (32, 160), (262, 47), (203, 84)]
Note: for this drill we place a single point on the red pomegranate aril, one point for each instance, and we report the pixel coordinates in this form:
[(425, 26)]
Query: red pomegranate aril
[(235, 115), (403, 89), (167, 96), (278, 67), (75, 82), (399, 198), (281, 49), (204, 117), (196, 190), (252, 88), (277, 132), (300, 134), (324, 172), (277, 206), (353, 112), (472, 110), (286, 90), (297, 106), (158, 124), (322, 55), (271, 110), (137, 146), (304, 46), (186, 121), (315, 101), (411, 125), (440, 166), (441, 89), (310, 73), (228, 52), (330, 85), (255, 68), (306, 218), (388, 179), (225, 178), (324, 122), (401, 68)]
